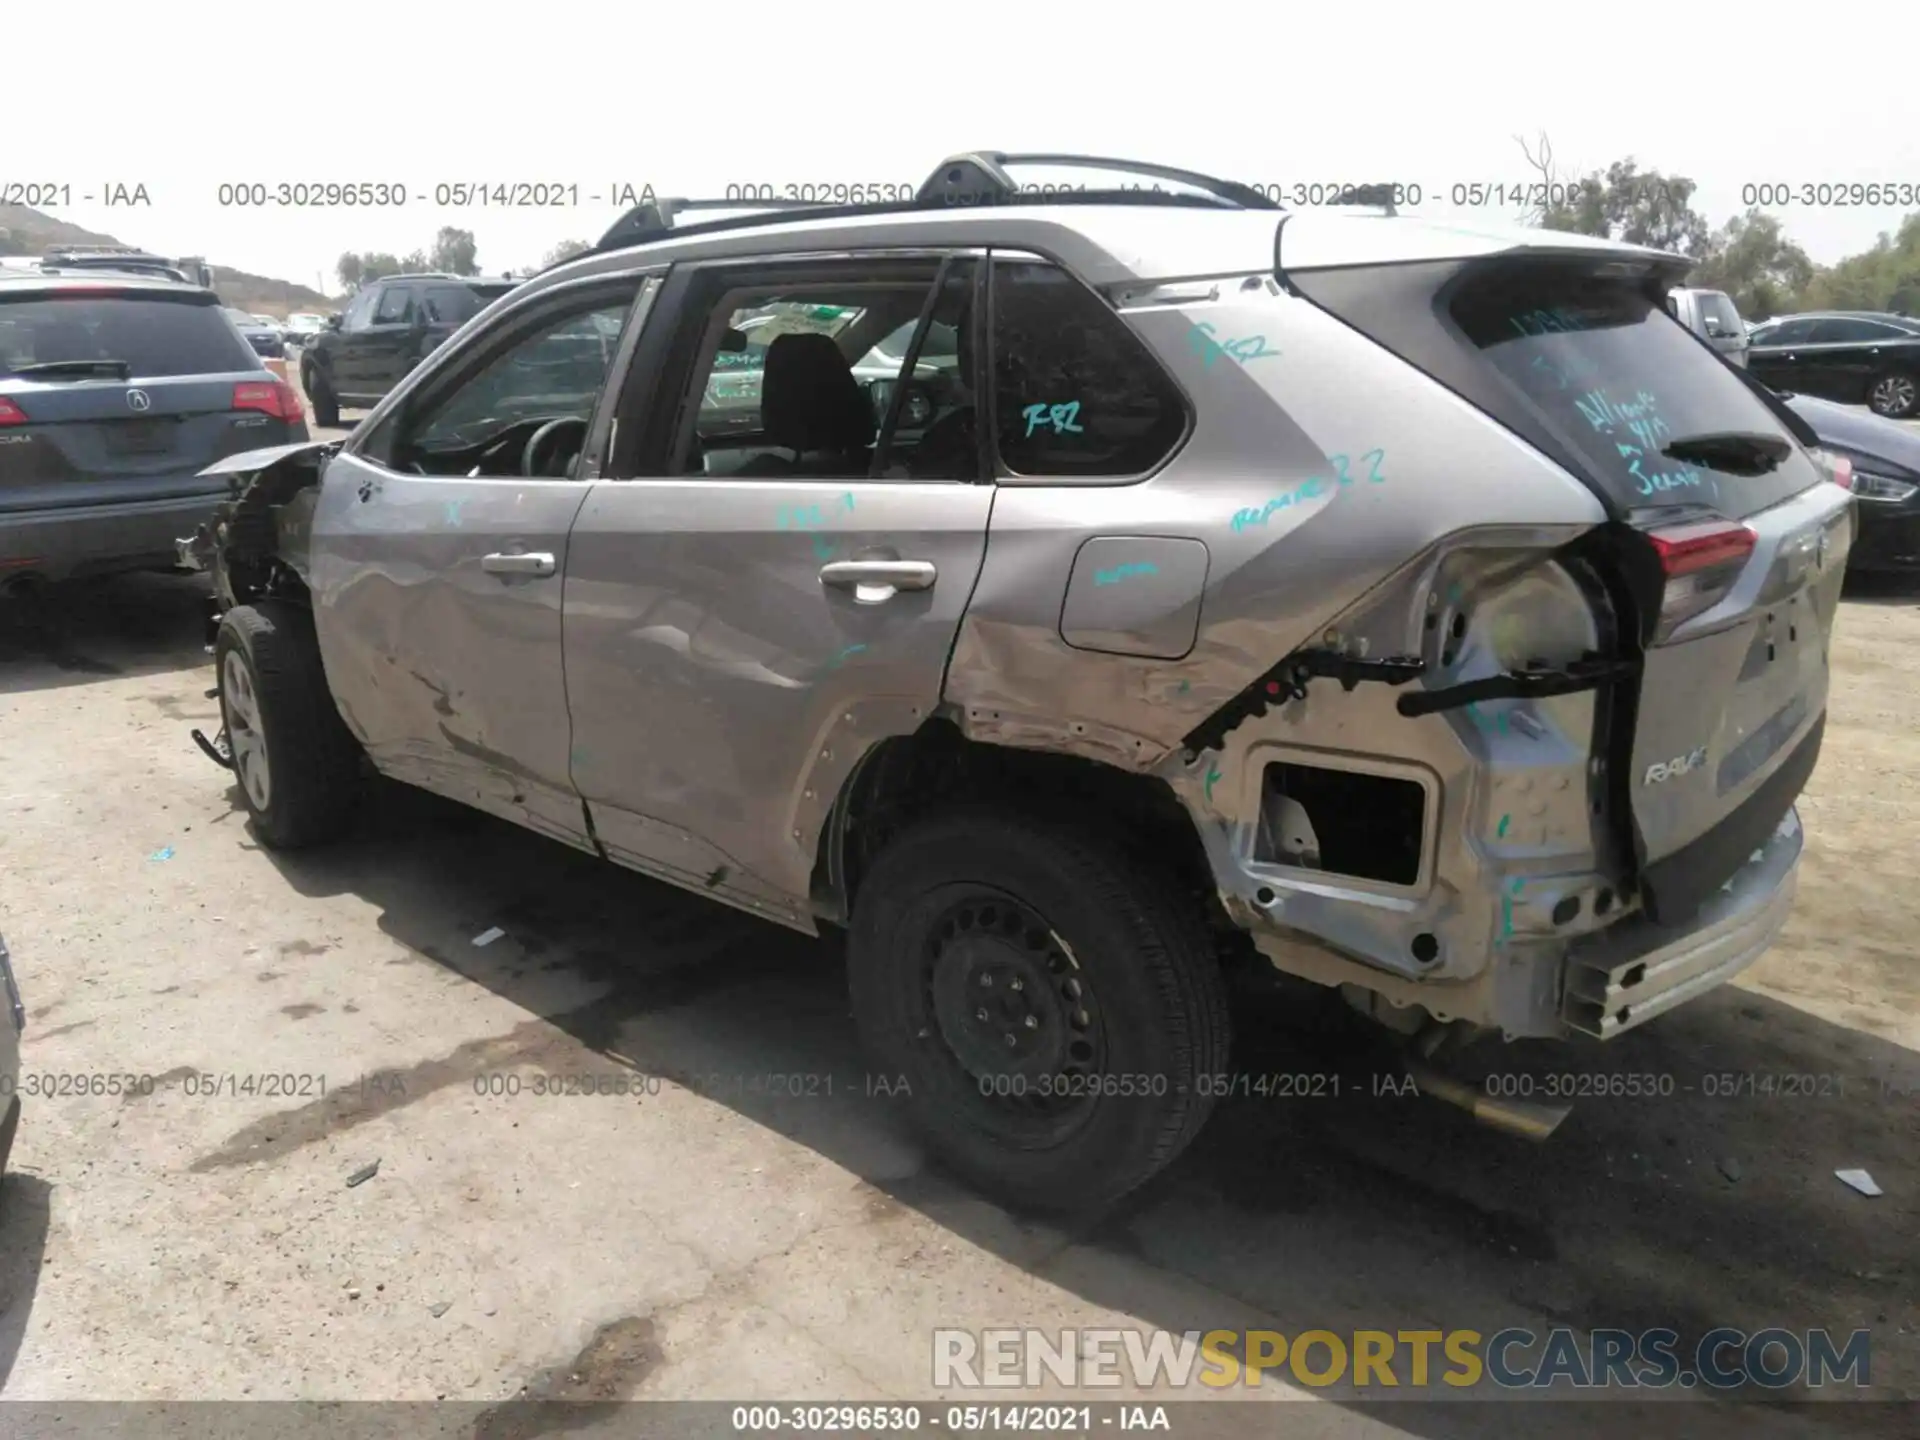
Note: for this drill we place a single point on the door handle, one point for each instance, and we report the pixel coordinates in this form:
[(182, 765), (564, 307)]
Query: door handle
[(538, 563), (873, 581)]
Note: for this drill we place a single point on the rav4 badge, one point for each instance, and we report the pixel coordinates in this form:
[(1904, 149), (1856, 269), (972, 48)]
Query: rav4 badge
[(1679, 765)]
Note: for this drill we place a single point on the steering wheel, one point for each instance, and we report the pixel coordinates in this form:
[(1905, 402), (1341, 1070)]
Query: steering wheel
[(546, 445)]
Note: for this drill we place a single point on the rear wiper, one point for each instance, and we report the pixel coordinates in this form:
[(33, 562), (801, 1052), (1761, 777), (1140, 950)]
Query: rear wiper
[(1737, 452), (76, 367)]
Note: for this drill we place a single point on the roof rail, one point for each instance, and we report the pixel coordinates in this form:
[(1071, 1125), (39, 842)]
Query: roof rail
[(974, 178), (979, 177)]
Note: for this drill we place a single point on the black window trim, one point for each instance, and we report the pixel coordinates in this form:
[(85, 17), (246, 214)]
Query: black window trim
[(462, 358), (654, 413), (984, 357)]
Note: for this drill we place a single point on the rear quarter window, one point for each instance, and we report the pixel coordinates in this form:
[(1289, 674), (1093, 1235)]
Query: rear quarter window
[(1605, 369), (156, 336)]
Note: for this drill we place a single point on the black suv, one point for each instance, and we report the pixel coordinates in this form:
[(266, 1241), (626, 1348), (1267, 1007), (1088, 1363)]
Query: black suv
[(118, 386), (389, 326)]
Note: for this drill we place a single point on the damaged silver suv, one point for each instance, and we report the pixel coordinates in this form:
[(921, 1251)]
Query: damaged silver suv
[(1421, 608)]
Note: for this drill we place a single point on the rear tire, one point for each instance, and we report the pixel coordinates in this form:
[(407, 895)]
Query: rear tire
[(326, 405), (1056, 1011), (296, 763), (1895, 395)]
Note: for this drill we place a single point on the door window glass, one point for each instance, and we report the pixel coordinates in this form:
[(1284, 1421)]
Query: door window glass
[(1785, 332), (360, 311), (552, 373), (1076, 392), (797, 382), (1847, 331), (396, 306)]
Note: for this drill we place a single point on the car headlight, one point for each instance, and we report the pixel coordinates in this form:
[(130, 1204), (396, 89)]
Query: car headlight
[(1868, 486)]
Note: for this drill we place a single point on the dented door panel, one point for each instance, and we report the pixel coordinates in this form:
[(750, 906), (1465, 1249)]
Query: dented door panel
[(448, 672)]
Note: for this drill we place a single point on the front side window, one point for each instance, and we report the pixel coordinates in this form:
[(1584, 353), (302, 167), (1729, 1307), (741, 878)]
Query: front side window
[(1076, 392), (396, 306), (1719, 316), (360, 312), (1784, 332), (554, 372)]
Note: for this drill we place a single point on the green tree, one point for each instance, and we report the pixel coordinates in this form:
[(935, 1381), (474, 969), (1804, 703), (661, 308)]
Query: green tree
[(350, 270), (1622, 202), (565, 250), (1751, 258), (454, 251), (1884, 277)]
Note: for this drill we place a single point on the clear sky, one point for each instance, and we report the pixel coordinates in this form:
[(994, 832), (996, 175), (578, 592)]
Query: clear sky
[(185, 98)]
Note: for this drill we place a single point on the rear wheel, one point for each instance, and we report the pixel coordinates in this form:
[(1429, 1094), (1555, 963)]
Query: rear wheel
[(1895, 395), (1054, 1011), (297, 765), (326, 405)]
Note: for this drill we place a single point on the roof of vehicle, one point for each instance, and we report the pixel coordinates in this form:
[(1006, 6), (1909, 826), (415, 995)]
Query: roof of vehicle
[(93, 279), (454, 279), (1109, 236), (1887, 315)]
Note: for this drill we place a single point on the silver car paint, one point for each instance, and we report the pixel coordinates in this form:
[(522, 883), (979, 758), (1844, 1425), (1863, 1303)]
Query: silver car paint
[(719, 697)]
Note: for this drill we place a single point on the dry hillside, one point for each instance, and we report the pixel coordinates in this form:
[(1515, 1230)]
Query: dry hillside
[(25, 231)]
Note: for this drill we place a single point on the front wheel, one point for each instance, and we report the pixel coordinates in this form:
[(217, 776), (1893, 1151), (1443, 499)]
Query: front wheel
[(1052, 1010), (1895, 395), (296, 763), (326, 404)]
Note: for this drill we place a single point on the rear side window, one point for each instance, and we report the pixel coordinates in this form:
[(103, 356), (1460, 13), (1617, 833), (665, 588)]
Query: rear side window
[(1076, 393), (1610, 374), (156, 337)]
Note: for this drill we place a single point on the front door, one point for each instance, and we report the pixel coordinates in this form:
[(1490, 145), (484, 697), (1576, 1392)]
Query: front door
[(756, 600), (439, 547), (390, 345)]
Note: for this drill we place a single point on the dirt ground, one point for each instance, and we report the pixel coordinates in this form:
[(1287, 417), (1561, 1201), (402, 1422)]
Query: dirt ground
[(712, 1240)]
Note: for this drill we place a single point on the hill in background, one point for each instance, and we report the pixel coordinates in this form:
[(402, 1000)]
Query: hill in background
[(25, 231)]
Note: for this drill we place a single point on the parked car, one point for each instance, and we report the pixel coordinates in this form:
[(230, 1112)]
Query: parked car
[(1712, 316), (260, 333), (12, 1026), (1203, 623), (1856, 359), (388, 327), (116, 391), (1883, 472), (303, 327)]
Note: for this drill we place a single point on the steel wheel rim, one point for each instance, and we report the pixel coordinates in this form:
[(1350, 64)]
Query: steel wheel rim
[(984, 935), (240, 708), (1894, 394)]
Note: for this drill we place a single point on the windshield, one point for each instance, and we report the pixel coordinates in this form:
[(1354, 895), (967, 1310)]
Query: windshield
[(154, 336), (1607, 370)]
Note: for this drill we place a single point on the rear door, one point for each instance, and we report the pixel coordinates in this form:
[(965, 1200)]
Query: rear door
[(763, 590), (390, 346), (111, 394), (437, 564)]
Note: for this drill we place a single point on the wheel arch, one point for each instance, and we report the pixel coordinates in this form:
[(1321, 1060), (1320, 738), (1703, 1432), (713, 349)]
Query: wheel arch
[(903, 778)]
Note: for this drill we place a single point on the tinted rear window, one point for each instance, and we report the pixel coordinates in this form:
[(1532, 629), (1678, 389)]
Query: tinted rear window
[(1607, 370), (155, 337)]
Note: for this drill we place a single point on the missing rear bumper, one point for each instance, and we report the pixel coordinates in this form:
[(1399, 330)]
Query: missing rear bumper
[(1625, 976)]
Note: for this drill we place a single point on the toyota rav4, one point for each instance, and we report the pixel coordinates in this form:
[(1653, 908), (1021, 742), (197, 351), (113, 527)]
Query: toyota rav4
[(1419, 608)]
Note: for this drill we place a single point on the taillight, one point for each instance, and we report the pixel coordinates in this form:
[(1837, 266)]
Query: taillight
[(1701, 562), (10, 413), (1837, 468), (269, 397)]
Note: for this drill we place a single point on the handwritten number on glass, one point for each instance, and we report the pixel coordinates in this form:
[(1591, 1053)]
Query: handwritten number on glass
[(1064, 418)]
